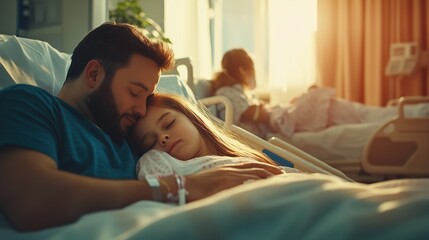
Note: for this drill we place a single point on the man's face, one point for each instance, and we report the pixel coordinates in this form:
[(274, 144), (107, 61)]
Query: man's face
[(116, 106)]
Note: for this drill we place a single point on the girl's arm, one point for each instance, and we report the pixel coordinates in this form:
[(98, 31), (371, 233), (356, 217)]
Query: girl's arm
[(257, 113)]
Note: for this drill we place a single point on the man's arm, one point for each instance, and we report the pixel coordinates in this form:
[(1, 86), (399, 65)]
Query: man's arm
[(262, 114), (34, 194)]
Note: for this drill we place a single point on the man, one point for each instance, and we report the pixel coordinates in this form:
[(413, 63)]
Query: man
[(64, 156)]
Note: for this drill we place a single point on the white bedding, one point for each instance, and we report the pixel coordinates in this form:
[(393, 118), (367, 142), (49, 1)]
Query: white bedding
[(294, 206), (342, 142)]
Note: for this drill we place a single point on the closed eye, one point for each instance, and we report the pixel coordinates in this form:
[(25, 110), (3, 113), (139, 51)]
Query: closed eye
[(133, 94), (170, 124)]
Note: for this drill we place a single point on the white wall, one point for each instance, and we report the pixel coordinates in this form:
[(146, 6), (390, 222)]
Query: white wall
[(100, 13), (62, 23), (8, 16), (75, 23)]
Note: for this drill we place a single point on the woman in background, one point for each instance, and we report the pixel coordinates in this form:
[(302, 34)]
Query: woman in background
[(235, 81), (314, 110)]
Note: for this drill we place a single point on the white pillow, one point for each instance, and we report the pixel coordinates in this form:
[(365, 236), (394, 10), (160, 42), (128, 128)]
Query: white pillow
[(33, 62), (174, 84)]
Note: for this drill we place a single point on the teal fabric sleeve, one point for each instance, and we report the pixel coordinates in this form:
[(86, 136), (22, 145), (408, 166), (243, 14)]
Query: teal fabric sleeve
[(34, 119)]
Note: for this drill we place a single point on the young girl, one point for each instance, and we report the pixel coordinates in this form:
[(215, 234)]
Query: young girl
[(314, 110), (176, 137)]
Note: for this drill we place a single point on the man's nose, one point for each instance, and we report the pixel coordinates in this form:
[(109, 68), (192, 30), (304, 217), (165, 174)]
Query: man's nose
[(140, 111)]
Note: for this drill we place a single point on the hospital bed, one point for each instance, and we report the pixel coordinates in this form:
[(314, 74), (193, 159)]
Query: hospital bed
[(395, 149), (320, 203)]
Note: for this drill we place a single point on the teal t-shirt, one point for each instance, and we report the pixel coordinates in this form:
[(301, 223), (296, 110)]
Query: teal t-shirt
[(32, 118)]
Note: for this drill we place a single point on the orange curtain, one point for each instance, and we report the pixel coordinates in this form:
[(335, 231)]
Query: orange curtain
[(353, 41)]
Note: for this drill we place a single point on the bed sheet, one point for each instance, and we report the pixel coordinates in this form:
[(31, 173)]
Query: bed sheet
[(294, 206), (341, 142)]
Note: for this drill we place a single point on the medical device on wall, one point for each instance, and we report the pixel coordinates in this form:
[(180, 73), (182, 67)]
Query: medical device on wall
[(403, 59)]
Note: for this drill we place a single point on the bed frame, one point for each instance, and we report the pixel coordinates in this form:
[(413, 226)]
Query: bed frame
[(400, 146)]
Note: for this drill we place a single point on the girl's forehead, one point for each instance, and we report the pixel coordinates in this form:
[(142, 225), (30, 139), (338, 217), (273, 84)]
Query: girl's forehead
[(152, 117), (155, 112)]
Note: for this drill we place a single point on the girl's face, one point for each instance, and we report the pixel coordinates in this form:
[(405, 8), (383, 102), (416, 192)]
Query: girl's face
[(170, 131)]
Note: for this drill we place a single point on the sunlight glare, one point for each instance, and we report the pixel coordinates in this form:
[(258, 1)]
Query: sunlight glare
[(292, 46)]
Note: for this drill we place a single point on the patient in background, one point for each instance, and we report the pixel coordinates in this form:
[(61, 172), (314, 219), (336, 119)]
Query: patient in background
[(314, 110), (177, 137)]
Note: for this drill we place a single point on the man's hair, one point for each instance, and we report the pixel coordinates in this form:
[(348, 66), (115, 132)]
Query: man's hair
[(221, 140), (113, 44)]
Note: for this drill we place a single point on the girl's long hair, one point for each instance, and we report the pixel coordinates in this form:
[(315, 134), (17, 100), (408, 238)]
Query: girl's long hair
[(222, 141)]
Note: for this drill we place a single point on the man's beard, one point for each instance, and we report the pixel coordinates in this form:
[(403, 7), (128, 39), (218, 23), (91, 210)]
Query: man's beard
[(104, 110)]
